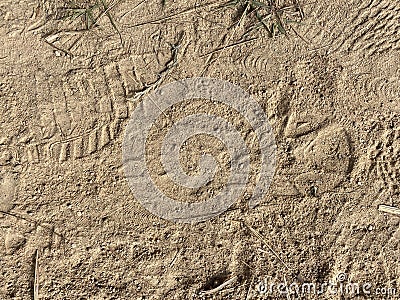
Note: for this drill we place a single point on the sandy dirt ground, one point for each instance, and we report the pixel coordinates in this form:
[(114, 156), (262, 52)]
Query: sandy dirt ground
[(326, 73)]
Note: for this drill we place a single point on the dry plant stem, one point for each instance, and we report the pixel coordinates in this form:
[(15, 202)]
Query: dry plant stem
[(208, 61), (106, 11), (262, 239), (108, 14), (229, 46), (36, 277), (274, 12), (300, 36), (176, 256), (389, 209), (300, 8), (133, 9), (27, 219), (156, 21), (220, 287), (66, 52), (91, 19), (75, 43), (170, 65)]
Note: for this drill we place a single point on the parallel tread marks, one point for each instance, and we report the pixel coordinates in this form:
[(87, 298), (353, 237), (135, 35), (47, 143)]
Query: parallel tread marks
[(384, 159), (95, 99), (108, 89), (104, 136), (386, 88), (92, 142), (258, 62), (371, 27), (77, 148)]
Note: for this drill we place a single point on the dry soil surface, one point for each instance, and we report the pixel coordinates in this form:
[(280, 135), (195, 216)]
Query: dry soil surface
[(71, 74)]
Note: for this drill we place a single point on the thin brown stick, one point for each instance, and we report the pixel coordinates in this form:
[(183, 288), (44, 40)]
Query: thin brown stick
[(208, 61), (36, 280), (156, 21), (109, 16), (36, 223), (59, 49), (229, 46), (262, 239), (300, 36), (163, 74), (220, 287)]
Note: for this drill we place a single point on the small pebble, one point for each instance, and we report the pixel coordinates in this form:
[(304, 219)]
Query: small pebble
[(13, 242)]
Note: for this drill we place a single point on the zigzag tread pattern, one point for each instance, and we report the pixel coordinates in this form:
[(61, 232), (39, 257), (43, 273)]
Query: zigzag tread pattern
[(370, 28), (383, 160), (78, 115), (387, 88), (374, 29)]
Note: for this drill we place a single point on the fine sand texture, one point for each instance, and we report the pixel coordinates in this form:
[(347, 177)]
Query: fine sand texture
[(325, 73)]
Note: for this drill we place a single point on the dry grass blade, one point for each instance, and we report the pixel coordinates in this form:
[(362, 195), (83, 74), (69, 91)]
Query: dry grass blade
[(222, 48), (262, 239), (279, 23), (36, 277), (107, 12), (186, 11), (91, 14), (389, 209), (300, 36), (300, 9), (66, 52), (132, 10), (220, 287), (229, 46), (28, 219), (86, 13), (263, 20), (175, 257), (273, 16), (163, 74)]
